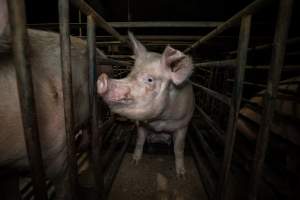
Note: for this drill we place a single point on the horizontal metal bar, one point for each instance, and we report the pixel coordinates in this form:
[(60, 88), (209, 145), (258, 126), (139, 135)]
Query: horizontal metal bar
[(100, 21), (214, 94), (249, 83), (219, 133), (250, 9), (221, 63), (109, 61), (166, 24), (284, 68)]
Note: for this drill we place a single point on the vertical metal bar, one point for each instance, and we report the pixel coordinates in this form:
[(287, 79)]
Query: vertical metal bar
[(278, 52), (71, 185), (26, 96), (235, 105), (97, 136), (80, 21)]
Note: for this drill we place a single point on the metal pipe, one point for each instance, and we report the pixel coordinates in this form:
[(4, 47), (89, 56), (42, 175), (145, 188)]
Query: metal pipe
[(235, 106), (100, 21), (71, 185), (219, 133), (208, 183), (221, 63), (249, 83), (213, 93), (109, 61), (17, 19), (277, 60), (250, 9), (97, 135)]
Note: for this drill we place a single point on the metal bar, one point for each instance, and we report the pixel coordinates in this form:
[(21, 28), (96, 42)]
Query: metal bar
[(71, 185), (221, 63), (100, 21), (266, 46), (214, 94), (208, 183), (250, 9), (97, 135), (109, 61), (278, 52), (112, 171), (206, 148), (26, 96), (249, 83), (285, 68), (219, 133), (235, 106)]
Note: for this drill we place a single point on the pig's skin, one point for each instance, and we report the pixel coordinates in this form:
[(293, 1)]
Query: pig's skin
[(156, 93), (44, 58)]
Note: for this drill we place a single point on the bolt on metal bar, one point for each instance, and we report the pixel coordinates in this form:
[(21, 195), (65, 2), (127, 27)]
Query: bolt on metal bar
[(235, 106), (221, 63), (99, 20), (17, 19), (250, 9), (97, 135), (277, 60), (213, 93), (71, 185)]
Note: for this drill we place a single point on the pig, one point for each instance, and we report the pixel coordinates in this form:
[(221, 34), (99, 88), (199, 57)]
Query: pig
[(44, 58), (157, 94)]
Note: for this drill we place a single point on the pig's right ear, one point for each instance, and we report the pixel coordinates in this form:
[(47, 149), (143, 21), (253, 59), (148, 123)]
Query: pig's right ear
[(138, 49), (4, 27)]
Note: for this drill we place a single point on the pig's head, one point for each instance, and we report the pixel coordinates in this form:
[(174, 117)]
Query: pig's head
[(145, 92)]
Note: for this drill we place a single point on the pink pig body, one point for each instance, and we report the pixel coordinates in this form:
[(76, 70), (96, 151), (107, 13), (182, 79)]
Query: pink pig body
[(157, 94)]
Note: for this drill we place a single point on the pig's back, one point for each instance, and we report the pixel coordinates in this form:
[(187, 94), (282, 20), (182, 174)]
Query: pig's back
[(45, 64)]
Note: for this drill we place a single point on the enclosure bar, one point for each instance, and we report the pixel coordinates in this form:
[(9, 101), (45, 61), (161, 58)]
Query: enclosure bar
[(213, 93), (218, 132), (117, 163), (266, 46), (221, 63), (23, 70), (249, 83), (235, 106), (206, 148), (207, 181), (250, 9), (277, 60), (96, 134), (65, 53), (109, 61), (166, 24), (99, 20)]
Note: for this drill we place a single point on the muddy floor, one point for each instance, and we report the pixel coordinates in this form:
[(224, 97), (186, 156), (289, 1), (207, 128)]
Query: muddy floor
[(138, 182)]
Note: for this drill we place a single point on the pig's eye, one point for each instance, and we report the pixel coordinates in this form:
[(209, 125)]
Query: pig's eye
[(148, 80)]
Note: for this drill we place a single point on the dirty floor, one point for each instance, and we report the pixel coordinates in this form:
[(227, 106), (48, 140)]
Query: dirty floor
[(138, 182)]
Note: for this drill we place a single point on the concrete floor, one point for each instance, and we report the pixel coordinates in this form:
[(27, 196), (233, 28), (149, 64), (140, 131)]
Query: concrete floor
[(138, 182)]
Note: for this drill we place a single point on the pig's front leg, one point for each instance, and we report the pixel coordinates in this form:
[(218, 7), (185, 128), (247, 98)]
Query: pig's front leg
[(141, 138), (179, 143)]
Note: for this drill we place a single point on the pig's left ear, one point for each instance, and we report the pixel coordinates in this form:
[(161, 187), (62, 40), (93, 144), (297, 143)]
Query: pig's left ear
[(178, 64)]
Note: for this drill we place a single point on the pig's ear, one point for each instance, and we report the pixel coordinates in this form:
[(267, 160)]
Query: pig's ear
[(4, 27), (138, 48), (179, 65)]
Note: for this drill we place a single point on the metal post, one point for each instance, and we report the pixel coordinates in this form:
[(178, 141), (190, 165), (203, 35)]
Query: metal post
[(278, 52), (249, 10), (235, 105), (63, 7), (26, 96), (97, 136)]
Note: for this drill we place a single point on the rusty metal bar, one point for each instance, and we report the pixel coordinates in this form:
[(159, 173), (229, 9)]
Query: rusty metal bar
[(207, 180), (250, 9), (71, 185), (26, 96), (100, 21), (278, 52), (97, 134), (235, 106), (213, 93), (221, 63)]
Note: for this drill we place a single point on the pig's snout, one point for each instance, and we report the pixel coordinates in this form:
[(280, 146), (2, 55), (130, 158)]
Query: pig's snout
[(102, 84)]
